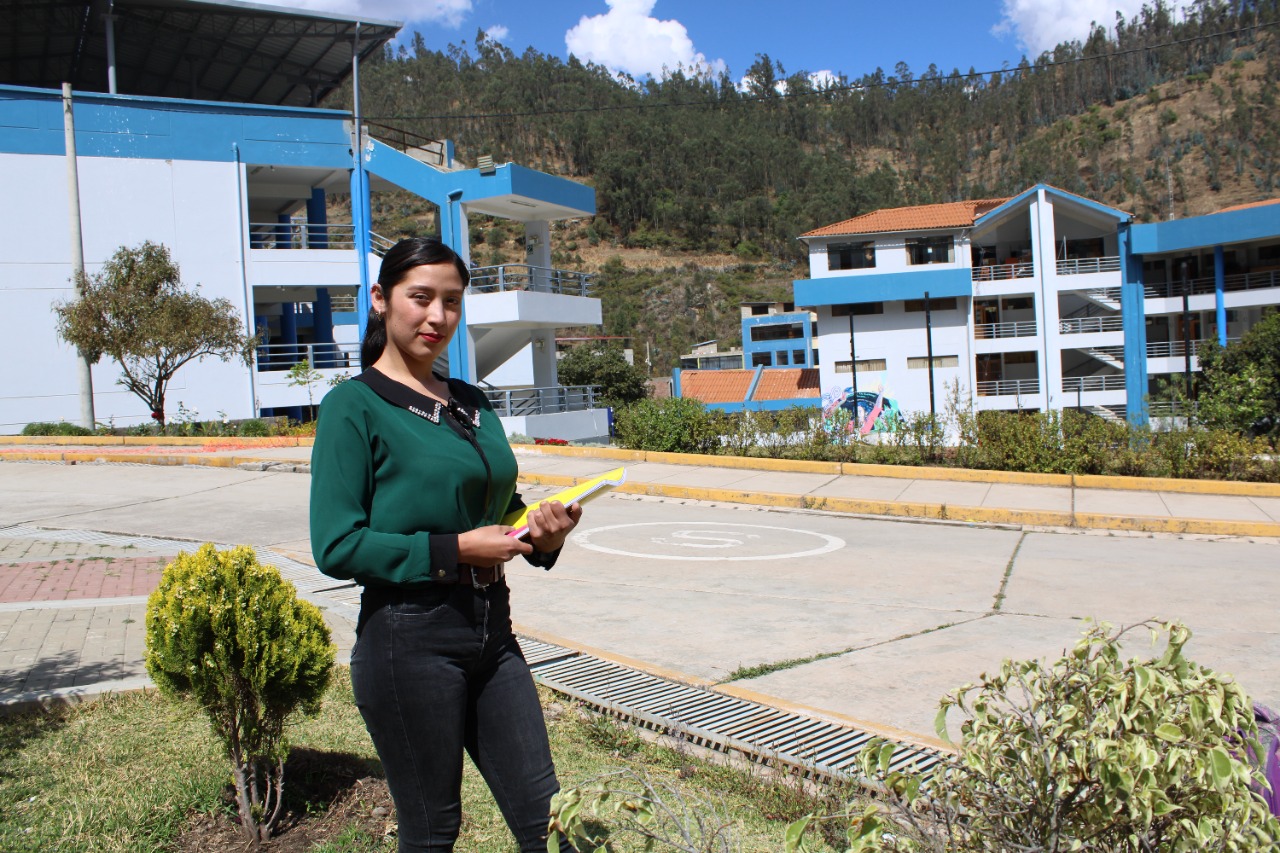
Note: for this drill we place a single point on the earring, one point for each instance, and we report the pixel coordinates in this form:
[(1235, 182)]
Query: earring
[(375, 315)]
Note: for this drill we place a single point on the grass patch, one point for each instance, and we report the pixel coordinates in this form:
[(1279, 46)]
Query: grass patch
[(760, 669), (136, 772)]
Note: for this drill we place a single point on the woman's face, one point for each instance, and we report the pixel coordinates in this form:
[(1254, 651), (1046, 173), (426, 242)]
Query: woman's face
[(422, 311)]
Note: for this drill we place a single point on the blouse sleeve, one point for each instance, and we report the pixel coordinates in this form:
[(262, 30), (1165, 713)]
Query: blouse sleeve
[(342, 480)]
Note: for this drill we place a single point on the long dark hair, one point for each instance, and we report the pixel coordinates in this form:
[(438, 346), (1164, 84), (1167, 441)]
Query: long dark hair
[(403, 256)]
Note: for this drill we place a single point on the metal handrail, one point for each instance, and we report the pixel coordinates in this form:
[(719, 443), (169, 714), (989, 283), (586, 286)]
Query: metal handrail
[(343, 303), (1235, 282), (379, 244), (543, 401), (1176, 349), (1008, 387), (1085, 266), (1003, 272), (1014, 329), (1105, 382), (406, 140), (301, 235), (504, 277), (274, 357), (1086, 325)]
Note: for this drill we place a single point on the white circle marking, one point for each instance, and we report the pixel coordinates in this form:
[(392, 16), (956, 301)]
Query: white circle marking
[(710, 539)]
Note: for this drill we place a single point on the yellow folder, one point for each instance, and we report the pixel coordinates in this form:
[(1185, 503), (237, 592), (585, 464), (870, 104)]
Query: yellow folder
[(580, 493)]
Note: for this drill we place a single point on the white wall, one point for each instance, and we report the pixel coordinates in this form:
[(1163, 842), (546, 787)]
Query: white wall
[(191, 207)]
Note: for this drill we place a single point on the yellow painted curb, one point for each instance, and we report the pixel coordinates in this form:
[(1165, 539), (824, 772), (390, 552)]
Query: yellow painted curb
[(154, 441), (1155, 524), (623, 660), (1185, 487), (958, 475)]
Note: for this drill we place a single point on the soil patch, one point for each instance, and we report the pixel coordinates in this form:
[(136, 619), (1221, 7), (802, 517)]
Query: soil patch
[(327, 795)]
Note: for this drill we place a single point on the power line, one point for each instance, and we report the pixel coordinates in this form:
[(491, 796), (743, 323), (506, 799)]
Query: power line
[(826, 90)]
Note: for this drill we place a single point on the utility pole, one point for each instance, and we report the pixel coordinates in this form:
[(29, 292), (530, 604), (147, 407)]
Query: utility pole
[(83, 371), (853, 367), (928, 334)]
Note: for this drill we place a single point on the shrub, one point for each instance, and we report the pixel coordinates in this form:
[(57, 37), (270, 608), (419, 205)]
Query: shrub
[(60, 428), (232, 634), (254, 428), (1087, 753), (673, 424)]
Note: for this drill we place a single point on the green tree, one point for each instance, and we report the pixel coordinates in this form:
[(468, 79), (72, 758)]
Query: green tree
[(1240, 384), (138, 312), (231, 634), (620, 382)]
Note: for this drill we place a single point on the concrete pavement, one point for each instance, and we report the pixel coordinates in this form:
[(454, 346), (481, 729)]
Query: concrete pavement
[(878, 617)]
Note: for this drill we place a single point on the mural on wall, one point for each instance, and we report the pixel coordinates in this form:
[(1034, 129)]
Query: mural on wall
[(871, 411)]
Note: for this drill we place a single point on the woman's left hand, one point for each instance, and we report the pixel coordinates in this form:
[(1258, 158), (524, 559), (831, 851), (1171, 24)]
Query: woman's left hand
[(550, 524)]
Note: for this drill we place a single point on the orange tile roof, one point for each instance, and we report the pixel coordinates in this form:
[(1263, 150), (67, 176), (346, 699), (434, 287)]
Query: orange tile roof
[(787, 383), (716, 386), (952, 214), (1249, 205)]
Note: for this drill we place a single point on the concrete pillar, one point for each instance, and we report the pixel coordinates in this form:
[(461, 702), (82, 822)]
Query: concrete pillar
[(288, 333), (317, 221), (1220, 293), (283, 237), (537, 251), (322, 318), (1133, 312), (1049, 357)]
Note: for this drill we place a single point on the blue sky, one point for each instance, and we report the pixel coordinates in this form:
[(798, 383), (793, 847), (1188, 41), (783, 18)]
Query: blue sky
[(640, 37)]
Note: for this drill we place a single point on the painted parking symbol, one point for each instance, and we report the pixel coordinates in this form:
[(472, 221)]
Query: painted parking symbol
[(706, 541)]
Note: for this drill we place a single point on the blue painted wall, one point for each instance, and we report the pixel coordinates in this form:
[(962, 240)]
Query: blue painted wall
[(1202, 232), (774, 347), (884, 287)]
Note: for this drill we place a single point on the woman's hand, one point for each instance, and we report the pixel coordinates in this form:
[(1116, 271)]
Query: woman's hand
[(550, 524), (488, 546)]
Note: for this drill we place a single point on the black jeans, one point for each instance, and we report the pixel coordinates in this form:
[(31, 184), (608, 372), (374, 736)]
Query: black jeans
[(437, 671)]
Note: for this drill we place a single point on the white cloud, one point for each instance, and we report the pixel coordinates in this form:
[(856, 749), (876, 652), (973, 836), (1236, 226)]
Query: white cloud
[(497, 32), (1040, 25), (449, 13), (818, 79), (627, 39)]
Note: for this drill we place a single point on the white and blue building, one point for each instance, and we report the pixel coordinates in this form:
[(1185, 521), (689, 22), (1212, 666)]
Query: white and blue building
[(195, 127), (1046, 300)]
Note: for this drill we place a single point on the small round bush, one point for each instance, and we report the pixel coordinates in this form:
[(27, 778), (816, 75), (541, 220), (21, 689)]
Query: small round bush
[(254, 428), (60, 428)]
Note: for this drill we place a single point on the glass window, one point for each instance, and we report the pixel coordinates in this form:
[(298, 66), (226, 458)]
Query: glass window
[(947, 304), (851, 256), (865, 365), (930, 250), (797, 356), (860, 309), (921, 362), (761, 359)]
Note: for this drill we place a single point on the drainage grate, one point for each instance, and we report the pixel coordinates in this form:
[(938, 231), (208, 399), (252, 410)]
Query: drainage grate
[(819, 748)]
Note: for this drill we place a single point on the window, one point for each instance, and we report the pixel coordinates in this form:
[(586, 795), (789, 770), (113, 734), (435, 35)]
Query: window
[(865, 365), (851, 256), (1016, 303), (1020, 358), (761, 359), (797, 356), (930, 250), (1269, 254), (815, 358), (780, 358), (1088, 247), (922, 362), (860, 309), (777, 331), (914, 305), (759, 310)]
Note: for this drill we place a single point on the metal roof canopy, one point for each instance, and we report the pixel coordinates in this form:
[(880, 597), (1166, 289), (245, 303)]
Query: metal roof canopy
[(213, 50)]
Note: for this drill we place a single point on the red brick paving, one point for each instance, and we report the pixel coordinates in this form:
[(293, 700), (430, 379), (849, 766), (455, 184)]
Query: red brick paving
[(64, 580)]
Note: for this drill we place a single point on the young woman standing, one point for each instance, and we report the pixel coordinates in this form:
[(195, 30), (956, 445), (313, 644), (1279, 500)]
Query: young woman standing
[(411, 474)]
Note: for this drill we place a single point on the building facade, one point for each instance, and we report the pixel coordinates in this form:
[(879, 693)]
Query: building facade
[(1046, 300), (239, 191)]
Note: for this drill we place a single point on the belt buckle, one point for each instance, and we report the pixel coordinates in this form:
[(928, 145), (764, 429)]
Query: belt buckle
[(475, 584)]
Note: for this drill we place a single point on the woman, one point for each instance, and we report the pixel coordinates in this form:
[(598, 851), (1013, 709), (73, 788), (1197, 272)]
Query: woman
[(411, 474)]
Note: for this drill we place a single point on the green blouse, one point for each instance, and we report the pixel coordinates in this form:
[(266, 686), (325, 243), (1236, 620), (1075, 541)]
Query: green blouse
[(391, 491)]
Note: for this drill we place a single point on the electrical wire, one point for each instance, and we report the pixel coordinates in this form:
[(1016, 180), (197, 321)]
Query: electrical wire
[(827, 90)]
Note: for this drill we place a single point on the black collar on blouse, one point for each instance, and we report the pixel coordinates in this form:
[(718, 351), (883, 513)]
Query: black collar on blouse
[(427, 408)]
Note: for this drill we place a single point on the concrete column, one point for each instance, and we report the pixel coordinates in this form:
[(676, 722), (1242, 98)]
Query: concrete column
[(283, 238), (1133, 312), (288, 332), (317, 221), (544, 358), (322, 317), (537, 251), (1050, 357), (1220, 293)]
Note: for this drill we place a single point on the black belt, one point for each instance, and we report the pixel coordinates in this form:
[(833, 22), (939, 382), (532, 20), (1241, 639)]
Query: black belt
[(480, 576)]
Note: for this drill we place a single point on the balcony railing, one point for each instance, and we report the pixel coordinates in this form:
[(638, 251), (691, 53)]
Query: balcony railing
[(301, 235), (1087, 325), (272, 357), (1003, 272), (543, 401), (1008, 387), (1176, 349), (1199, 286), (525, 277), (1084, 266), (1015, 329), (1107, 382)]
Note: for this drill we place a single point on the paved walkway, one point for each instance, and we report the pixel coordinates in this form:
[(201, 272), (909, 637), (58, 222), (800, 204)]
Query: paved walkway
[(72, 602)]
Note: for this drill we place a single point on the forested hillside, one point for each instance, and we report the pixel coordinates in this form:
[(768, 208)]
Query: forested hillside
[(710, 184)]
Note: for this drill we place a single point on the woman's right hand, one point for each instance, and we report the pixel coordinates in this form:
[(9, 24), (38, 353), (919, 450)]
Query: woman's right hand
[(488, 546)]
